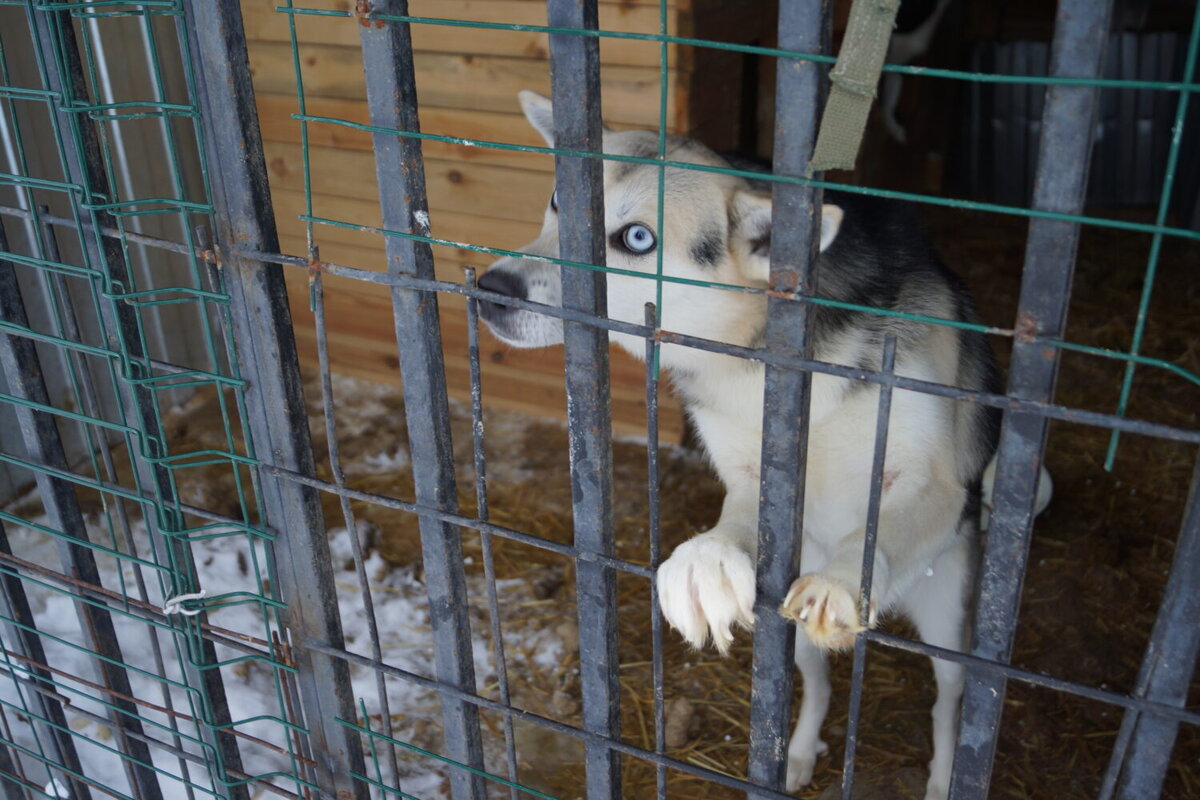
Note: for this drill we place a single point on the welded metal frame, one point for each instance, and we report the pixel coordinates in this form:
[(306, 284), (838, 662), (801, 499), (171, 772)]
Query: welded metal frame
[(246, 253)]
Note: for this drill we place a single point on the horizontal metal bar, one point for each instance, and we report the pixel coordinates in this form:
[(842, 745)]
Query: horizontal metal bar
[(146, 612), (920, 648), (385, 279), (558, 727), (466, 522)]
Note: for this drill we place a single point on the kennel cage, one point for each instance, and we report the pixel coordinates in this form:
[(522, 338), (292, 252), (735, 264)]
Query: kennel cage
[(163, 641)]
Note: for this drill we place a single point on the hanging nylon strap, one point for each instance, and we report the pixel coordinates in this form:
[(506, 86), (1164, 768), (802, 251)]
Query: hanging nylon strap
[(854, 79)]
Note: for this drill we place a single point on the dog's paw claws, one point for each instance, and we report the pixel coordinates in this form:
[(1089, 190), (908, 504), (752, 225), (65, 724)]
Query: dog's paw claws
[(826, 610), (706, 588)]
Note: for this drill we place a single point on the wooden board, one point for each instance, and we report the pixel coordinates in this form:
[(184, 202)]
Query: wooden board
[(275, 114), (362, 343), (452, 80), (264, 23), (488, 191), (504, 234)]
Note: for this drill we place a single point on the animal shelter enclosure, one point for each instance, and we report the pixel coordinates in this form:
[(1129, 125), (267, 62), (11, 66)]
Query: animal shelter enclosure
[(279, 520)]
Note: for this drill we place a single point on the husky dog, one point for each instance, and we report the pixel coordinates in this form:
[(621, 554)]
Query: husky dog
[(716, 228)]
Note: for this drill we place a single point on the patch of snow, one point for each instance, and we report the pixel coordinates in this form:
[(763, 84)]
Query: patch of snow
[(231, 570)]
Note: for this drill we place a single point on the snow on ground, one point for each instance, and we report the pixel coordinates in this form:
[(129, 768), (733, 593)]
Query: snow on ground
[(231, 570)]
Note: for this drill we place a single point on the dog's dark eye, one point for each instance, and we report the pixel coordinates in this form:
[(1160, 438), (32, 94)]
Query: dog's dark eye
[(554, 201), (637, 238)]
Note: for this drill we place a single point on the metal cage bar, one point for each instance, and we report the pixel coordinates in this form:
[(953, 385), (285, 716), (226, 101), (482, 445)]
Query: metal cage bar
[(795, 235), (883, 419), (1167, 669), (1152, 711), (266, 348), (485, 538), (392, 102), (23, 370), (575, 84), (1080, 35)]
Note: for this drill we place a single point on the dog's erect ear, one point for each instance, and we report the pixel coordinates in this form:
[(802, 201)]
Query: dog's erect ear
[(752, 222), (540, 113), (831, 223)]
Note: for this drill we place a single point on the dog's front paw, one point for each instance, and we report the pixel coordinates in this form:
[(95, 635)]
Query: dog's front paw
[(801, 761), (705, 588), (826, 609)]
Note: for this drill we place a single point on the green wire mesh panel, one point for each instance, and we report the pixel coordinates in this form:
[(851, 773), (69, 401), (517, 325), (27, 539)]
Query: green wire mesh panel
[(144, 647), (183, 592)]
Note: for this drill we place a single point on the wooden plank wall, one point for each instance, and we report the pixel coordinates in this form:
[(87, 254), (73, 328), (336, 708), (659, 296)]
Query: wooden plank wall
[(467, 80)]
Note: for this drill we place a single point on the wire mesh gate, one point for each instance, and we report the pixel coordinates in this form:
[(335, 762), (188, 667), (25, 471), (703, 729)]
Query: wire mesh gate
[(126, 602)]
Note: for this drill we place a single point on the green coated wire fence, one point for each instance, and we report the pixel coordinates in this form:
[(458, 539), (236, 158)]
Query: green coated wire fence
[(146, 642)]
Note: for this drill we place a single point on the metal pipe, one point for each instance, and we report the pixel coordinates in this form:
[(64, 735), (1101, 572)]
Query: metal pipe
[(276, 421), (795, 234), (575, 90), (1080, 36), (399, 168)]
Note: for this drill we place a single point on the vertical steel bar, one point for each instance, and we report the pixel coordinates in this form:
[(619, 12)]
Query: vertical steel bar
[(277, 421), (399, 167), (1169, 663), (882, 423), (575, 85), (43, 444), (84, 166), (23, 640), (485, 538), (1080, 35), (654, 528), (356, 548), (804, 27)]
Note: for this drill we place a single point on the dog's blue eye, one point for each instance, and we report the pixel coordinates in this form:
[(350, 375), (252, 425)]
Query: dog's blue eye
[(554, 201), (638, 239)]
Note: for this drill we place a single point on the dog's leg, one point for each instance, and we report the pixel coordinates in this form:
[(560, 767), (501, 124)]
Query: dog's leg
[(937, 604), (806, 744), (918, 518), (708, 584)]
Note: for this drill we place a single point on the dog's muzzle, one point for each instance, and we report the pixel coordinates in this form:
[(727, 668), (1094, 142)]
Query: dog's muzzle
[(500, 282), (500, 318)]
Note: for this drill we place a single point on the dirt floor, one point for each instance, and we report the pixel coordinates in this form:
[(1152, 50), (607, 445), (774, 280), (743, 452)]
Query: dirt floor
[(1098, 562)]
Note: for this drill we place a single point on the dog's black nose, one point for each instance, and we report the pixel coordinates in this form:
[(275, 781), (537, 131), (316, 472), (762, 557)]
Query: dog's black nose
[(502, 282)]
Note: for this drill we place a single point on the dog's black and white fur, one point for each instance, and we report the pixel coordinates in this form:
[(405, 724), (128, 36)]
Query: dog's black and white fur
[(717, 228)]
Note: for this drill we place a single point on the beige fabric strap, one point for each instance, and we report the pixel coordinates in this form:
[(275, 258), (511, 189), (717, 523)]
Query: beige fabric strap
[(854, 79)]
